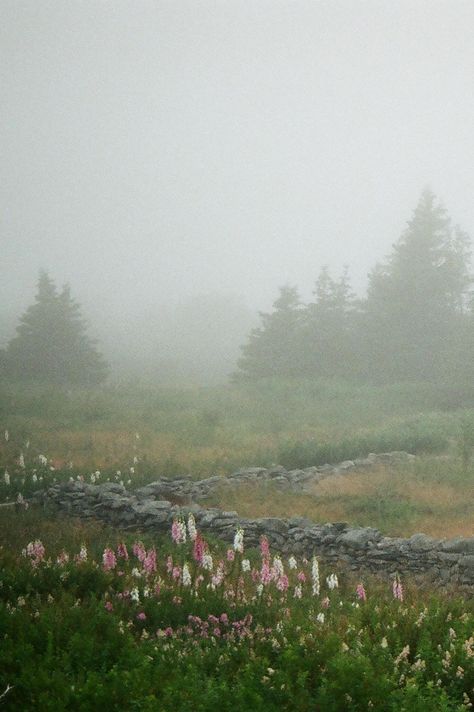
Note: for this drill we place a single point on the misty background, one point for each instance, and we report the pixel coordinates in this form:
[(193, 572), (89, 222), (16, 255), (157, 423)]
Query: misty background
[(176, 162)]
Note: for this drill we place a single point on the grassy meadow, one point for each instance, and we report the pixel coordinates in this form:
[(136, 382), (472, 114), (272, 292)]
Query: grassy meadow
[(92, 618), (145, 432)]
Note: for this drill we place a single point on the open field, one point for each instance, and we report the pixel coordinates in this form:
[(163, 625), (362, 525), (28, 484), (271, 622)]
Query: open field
[(146, 433), (220, 428)]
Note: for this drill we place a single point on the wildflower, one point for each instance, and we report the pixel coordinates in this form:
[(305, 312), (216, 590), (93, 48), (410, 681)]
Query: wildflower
[(277, 567), (21, 461), (282, 583), (36, 551), (136, 573), (122, 551), (218, 577), (320, 618), (292, 563), (139, 550), (141, 616), (149, 562), (360, 591), (207, 562), (332, 582), (264, 547), (186, 575), (109, 561), (6, 478), (92, 478), (192, 531), (265, 573), (245, 565), (7, 435), (82, 555), (135, 460), (135, 595), (325, 603), (43, 460), (397, 588), (239, 541), (298, 591), (108, 606), (384, 643), (315, 576), (132, 470), (63, 558), (178, 531), (34, 477), (403, 655)]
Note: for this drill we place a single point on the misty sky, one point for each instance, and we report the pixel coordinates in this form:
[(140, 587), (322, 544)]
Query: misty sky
[(151, 151)]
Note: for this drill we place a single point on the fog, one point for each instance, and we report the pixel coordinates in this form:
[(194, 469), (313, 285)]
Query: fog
[(176, 162)]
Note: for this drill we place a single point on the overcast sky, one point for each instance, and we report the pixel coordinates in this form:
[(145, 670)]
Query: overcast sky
[(155, 150)]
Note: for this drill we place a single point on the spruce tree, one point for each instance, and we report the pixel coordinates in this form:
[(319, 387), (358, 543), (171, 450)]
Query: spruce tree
[(273, 348), (328, 328), (51, 344), (417, 297)]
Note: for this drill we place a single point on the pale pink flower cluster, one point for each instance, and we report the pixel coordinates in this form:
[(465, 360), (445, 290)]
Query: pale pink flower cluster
[(149, 562), (360, 591), (36, 551), (82, 555), (63, 558), (178, 531), (139, 551), (397, 588), (219, 575), (109, 562)]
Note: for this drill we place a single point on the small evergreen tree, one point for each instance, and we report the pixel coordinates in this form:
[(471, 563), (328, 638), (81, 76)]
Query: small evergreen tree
[(273, 348), (51, 344)]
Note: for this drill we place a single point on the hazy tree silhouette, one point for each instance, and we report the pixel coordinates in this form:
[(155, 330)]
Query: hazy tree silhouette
[(51, 344)]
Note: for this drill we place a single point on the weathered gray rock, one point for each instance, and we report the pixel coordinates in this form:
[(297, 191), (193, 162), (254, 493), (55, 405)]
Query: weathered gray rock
[(359, 538)]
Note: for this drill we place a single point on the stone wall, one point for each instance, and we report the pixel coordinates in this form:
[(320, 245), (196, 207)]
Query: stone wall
[(356, 548)]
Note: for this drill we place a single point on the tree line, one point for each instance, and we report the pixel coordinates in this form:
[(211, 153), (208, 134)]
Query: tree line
[(415, 323)]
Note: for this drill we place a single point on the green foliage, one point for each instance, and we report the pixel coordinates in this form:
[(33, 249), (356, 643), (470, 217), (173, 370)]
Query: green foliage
[(62, 649), (414, 436)]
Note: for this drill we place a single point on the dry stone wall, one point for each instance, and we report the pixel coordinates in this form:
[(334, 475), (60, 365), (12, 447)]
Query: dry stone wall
[(357, 548)]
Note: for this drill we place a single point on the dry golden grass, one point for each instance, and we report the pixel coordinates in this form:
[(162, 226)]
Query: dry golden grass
[(391, 499)]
